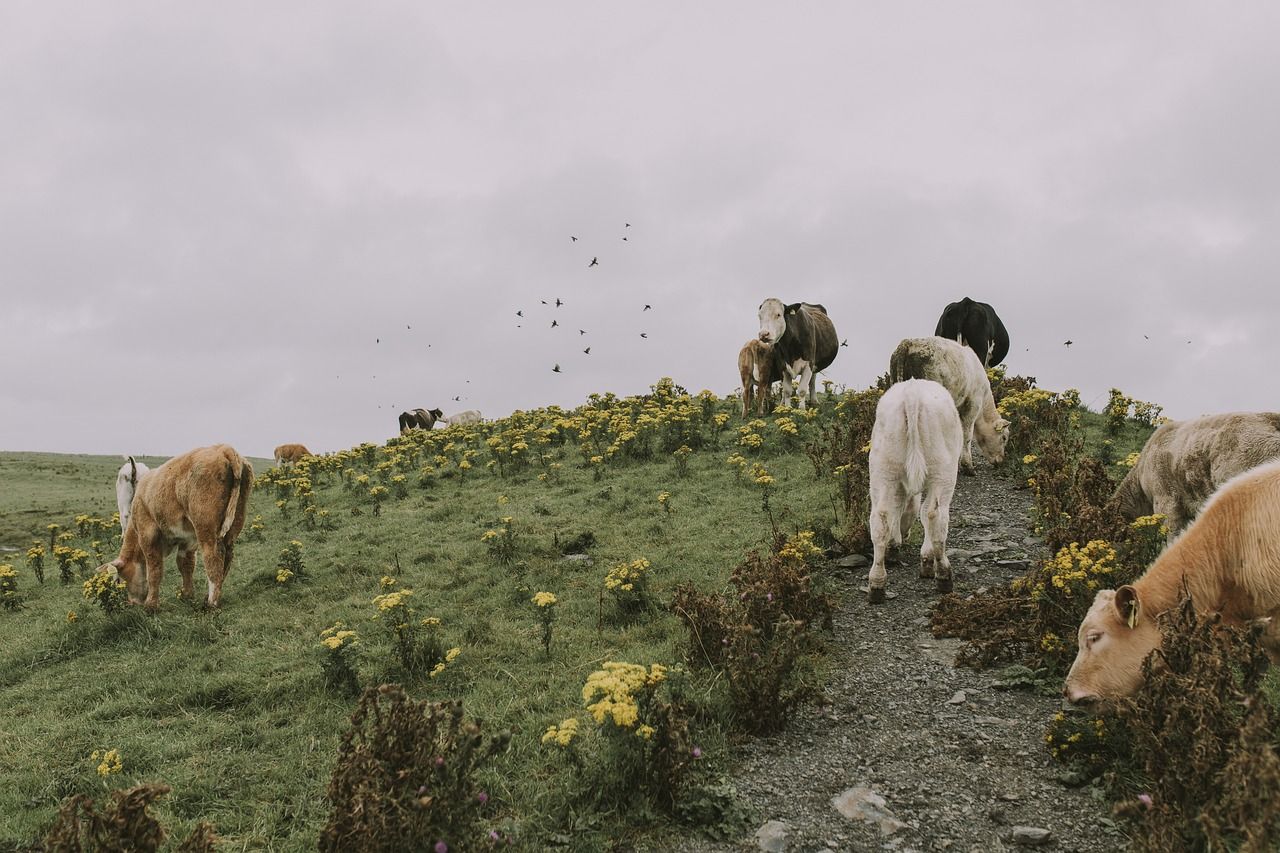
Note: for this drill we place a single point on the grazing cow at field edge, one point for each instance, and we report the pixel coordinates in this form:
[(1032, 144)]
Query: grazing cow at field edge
[(915, 448), (290, 453), (1228, 560), (126, 484), (956, 368), (422, 418), (470, 416), (196, 499), (975, 325), (758, 370), (804, 342), (1183, 462)]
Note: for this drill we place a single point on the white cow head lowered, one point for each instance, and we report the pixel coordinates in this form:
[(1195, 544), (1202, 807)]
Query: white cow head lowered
[(773, 320), (1114, 639)]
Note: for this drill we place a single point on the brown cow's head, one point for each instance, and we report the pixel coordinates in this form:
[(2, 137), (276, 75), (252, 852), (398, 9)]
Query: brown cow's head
[(1114, 639), (133, 573)]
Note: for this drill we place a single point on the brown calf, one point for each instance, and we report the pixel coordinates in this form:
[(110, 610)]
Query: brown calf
[(290, 453), (1228, 560), (759, 370), (196, 499)]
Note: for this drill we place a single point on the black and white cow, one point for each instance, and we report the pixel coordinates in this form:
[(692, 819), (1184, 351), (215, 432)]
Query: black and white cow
[(804, 342), (424, 418), (975, 325)]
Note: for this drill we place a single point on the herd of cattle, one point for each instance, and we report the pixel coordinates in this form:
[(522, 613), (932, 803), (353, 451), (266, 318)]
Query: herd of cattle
[(1216, 479)]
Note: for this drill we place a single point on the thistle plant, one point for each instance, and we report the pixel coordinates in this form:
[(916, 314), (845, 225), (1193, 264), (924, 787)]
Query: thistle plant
[(338, 663), (10, 599), (502, 543), (290, 566), (681, 457), (546, 604), (629, 585), (107, 589), (35, 560)]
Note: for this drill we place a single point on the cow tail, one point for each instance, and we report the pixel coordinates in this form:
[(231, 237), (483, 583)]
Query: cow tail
[(133, 473), (239, 480), (914, 467)]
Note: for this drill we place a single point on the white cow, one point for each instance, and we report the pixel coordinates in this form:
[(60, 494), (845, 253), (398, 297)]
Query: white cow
[(126, 485), (956, 368), (470, 416), (915, 448)]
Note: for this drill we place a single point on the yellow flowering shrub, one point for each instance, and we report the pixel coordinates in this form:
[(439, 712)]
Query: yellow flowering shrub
[(629, 584), (107, 589), (9, 597)]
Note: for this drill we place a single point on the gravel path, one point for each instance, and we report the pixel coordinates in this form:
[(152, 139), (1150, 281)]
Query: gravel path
[(958, 763)]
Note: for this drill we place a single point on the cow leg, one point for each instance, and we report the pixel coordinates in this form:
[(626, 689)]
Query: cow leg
[(1174, 518), (187, 567), (786, 387), (966, 452), (153, 555), (746, 398), (936, 520), (883, 508), (807, 380), (215, 556)]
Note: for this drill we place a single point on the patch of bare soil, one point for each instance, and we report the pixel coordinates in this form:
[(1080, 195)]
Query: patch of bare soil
[(958, 761)]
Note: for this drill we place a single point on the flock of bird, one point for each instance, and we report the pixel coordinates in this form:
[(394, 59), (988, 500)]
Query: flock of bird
[(555, 323)]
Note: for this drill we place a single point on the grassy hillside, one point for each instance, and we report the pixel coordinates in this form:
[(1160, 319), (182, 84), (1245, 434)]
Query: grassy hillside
[(230, 708)]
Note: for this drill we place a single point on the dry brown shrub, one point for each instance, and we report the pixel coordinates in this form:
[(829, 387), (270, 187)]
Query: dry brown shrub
[(1204, 735), (759, 635), (125, 825), (404, 779)]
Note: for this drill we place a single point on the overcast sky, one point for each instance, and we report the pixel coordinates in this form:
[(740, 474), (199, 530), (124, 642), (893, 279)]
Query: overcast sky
[(286, 222)]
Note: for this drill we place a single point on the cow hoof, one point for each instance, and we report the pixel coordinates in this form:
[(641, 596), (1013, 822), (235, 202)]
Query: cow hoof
[(944, 584), (875, 595), (926, 572)]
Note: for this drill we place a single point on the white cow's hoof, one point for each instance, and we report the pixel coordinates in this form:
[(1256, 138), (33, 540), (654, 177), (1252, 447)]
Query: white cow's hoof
[(875, 595)]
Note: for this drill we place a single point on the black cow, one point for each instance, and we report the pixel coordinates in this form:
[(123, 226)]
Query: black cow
[(424, 418), (804, 342), (975, 325)]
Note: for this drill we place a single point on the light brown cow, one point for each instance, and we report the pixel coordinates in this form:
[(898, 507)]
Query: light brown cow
[(290, 453), (1228, 560), (956, 368), (758, 370), (1183, 462), (196, 499)]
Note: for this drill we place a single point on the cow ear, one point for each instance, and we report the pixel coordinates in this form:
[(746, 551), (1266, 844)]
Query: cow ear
[(1128, 606), (794, 307)]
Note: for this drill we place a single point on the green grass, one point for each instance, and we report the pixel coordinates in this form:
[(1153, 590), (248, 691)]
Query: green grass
[(228, 707)]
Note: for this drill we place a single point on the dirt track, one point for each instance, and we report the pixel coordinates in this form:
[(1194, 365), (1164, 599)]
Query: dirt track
[(958, 770)]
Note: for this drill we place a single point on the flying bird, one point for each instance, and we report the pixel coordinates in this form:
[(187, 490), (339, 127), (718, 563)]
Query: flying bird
[(644, 335), (573, 238), (1145, 338), (377, 340), (407, 326), (587, 351), (594, 261), (554, 324), (555, 369), (582, 331), (624, 239), (457, 399), (1067, 343), (544, 302), (520, 313), (647, 307), (558, 302), (627, 225), (845, 342)]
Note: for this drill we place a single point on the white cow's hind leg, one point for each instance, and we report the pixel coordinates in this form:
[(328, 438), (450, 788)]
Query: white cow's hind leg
[(936, 518), (881, 534)]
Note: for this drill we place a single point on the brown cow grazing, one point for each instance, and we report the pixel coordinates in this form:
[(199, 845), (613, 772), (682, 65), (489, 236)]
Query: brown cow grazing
[(196, 499), (419, 418), (1228, 560), (759, 370), (1183, 462), (291, 453)]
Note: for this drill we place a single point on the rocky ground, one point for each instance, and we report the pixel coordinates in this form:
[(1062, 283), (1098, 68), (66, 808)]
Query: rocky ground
[(908, 752)]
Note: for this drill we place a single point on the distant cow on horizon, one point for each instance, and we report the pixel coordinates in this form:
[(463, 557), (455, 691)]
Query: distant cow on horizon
[(419, 418), (976, 325), (804, 342)]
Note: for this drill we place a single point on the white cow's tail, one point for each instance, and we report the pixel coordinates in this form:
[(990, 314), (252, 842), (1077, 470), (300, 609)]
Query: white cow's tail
[(133, 473), (914, 467)]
